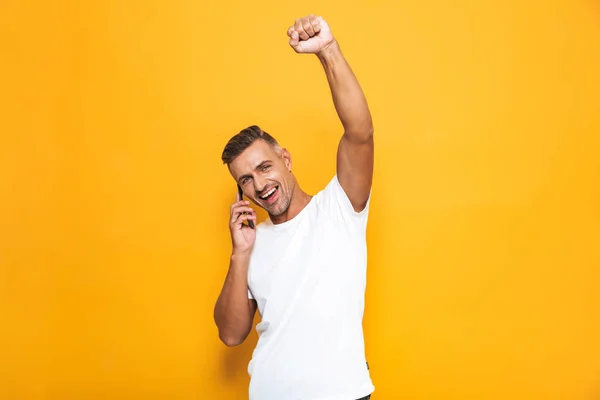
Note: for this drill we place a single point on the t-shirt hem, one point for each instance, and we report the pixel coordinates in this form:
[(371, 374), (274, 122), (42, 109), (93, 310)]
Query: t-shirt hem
[(363, 391)]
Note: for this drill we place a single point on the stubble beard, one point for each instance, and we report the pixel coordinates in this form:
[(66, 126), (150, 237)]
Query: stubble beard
[(283, 203)]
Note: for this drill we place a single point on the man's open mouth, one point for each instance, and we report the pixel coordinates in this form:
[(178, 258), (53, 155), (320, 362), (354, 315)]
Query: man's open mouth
[(270, 195)]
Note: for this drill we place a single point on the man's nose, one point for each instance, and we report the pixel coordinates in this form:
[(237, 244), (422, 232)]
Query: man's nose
[(259, 184)]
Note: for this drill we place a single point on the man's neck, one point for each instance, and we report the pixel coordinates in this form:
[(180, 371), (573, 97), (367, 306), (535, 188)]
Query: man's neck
[(299, 200)]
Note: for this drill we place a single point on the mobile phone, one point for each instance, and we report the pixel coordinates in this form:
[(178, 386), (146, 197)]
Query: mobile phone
[(241, 193)]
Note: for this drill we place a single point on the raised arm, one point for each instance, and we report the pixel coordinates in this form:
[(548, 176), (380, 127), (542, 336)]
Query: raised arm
[(355, 156)]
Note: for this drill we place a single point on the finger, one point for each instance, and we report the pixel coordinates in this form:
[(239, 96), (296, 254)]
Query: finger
[(244, 217), (235, 216), (294, 40), (235, 211), (242, 209), (300, 29), (238, 203), (314, 21), (290, 31), (307, 26)]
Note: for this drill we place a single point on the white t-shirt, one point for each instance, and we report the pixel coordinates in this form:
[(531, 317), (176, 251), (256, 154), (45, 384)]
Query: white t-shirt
[(308, 277)]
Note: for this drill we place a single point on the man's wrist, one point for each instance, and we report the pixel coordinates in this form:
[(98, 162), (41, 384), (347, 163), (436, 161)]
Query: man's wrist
[(237, 256), (329, 52)]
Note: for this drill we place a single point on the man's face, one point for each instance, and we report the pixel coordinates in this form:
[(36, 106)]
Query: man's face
[(265, 177)]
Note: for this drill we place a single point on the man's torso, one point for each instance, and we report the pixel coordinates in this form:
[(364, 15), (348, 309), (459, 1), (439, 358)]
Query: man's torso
[(308, 277)]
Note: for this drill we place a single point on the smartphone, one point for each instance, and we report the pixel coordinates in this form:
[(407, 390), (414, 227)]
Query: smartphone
[(241, 193)]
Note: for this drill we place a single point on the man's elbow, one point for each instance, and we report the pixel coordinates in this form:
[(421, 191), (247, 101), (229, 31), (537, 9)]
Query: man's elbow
[(360, 136), (232, 340)]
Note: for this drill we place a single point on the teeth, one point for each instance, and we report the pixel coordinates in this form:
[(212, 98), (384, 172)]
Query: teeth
[(268, 193)]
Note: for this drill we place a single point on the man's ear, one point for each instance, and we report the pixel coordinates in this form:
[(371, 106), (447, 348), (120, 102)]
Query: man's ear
[(287, 159)]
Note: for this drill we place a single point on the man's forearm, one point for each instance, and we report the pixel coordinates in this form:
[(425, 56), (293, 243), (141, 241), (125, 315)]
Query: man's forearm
[(348, 97), (232, 314)]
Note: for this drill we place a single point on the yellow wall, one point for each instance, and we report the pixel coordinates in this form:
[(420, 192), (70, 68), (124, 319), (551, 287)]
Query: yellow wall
[(485, 226)]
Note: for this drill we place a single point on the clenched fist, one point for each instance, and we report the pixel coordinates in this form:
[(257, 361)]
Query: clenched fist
[(310, 35)]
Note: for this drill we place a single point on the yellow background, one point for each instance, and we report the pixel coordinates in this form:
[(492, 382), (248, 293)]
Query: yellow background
[(484, 232)]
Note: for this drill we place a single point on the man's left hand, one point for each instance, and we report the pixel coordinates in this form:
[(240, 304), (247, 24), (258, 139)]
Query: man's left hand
[(310, 35)]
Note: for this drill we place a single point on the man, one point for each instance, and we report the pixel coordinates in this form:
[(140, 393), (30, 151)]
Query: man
[(305, 267)]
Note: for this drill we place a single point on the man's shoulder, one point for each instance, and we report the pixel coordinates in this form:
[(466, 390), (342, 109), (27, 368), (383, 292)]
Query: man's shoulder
[(331, 189), (335, 198)]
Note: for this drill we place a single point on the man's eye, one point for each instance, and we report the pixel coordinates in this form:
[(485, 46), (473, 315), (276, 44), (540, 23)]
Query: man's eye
[(245, 180), (266, 167)]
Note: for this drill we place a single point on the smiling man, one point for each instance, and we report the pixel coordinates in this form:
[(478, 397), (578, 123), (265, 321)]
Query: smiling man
[(304, 268)]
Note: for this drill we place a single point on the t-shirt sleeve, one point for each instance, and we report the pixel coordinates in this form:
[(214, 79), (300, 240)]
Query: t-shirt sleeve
[(336, 202), (250, 294)]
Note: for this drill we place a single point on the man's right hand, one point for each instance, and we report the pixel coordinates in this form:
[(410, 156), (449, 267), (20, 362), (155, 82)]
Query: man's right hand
[(242, 236), (234, 311)]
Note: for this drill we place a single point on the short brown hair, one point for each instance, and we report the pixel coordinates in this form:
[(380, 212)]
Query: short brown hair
[(243, 140)]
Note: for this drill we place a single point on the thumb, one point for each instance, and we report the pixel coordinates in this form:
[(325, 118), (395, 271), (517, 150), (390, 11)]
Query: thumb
[(295, 42)]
